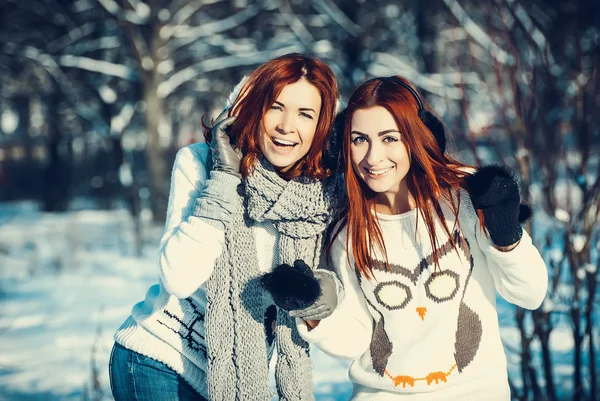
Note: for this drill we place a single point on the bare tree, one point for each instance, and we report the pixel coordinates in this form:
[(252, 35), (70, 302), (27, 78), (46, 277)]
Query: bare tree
[(541, 68)]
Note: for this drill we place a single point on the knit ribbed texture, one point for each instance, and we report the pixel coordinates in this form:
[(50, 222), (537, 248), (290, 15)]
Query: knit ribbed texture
[(134, 337), (168, 324), (168, 330), (494, 190), (215, 201), (300, 209)]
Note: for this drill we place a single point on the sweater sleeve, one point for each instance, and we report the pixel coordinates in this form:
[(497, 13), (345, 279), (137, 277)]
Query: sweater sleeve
[(520, 275), (347, 332), (189, 246)]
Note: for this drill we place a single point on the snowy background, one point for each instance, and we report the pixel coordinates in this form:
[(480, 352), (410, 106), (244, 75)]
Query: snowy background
[(69, 280), (97, 96)]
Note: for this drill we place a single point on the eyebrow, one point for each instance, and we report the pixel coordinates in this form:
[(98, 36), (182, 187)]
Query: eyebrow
[(387, 131), (301, 108)]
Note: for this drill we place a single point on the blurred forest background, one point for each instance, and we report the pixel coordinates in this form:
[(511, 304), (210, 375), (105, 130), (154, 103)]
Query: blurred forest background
[(97, 96)]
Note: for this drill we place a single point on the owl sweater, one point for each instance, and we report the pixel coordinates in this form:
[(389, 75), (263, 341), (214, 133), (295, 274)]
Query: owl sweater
[(416, 335)]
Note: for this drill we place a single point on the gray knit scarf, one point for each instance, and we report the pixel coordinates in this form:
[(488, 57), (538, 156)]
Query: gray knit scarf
[(300, 210)]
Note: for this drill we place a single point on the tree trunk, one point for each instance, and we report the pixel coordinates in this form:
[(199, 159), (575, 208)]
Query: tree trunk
[(426, 32), (353, 47), (592, 285), (158, 173), (57, 174), (574, 262), (530, 384), (543, 329)]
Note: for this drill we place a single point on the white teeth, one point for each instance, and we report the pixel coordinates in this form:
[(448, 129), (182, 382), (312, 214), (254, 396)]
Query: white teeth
[(379, 172), (283, 142)]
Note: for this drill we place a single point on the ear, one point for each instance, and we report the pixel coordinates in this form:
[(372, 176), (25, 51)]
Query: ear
[(436, 126), (333, 147)]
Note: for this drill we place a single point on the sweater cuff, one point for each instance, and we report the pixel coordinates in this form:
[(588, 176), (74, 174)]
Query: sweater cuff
[(339, 287), (227, 180), (217, 199)]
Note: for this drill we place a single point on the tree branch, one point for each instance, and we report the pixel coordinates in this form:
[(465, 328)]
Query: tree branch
[(55, 72), (71, 37), (386, 64), (216, 64), (295, 24), (478, 34), (121, 14), (100, 66), (188, 10), (186, 34), (332, 10)]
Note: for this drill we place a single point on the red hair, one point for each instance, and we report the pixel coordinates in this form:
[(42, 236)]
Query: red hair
[(432, 174), (258, 94)]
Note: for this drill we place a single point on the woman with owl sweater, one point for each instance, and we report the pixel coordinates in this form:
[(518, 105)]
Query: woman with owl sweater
[(425, 245)]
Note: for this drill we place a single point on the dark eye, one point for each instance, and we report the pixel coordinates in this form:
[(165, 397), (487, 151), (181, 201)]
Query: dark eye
[(357, 140), (276, 107), (390, 139), (306, 115)]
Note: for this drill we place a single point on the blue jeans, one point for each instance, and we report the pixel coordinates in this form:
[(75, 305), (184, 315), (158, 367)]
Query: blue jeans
[(135, 377)]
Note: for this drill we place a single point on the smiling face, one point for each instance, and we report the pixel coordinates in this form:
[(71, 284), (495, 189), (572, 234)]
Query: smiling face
[(288, 128), (379, 156)]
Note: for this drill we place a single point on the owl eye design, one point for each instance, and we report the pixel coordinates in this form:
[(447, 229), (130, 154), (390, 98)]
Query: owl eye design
[(442, 287), (393, 294)]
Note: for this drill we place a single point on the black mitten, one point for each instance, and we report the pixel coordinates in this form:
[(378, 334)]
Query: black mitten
[(495, 191), (292, 288)]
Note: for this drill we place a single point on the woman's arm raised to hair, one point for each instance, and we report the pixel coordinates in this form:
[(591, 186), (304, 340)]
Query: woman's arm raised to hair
[(194, 230)]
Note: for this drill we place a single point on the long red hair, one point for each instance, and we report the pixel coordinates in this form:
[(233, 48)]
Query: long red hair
[(258, 94), (432, 176)]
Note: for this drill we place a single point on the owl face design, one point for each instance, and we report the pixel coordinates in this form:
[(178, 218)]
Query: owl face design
[(420, 291), (438, 287), (420, 309)]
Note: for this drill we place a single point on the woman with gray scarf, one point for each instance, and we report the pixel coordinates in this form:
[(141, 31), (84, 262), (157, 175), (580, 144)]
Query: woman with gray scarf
[(255, 197)]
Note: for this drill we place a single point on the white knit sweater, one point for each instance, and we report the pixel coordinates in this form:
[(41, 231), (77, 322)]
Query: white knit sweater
[(419, 336), (168, 325)]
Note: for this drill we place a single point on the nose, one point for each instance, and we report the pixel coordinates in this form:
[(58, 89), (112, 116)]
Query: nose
[(421, 311), (375, 154), (286, 125)]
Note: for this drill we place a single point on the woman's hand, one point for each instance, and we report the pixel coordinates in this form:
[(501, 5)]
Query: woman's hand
[(325, 304), (225, 157), (307, 294), (494, 191), (312, 324)]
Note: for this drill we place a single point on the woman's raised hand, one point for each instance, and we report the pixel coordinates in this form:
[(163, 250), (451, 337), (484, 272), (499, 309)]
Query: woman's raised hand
[(494, 190), (225, 157)]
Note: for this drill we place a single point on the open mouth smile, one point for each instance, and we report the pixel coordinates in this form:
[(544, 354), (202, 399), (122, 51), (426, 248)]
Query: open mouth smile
[(378, 172), (283, 142)]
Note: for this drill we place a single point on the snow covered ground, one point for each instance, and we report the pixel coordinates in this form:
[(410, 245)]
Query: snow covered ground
[(67, 281)]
